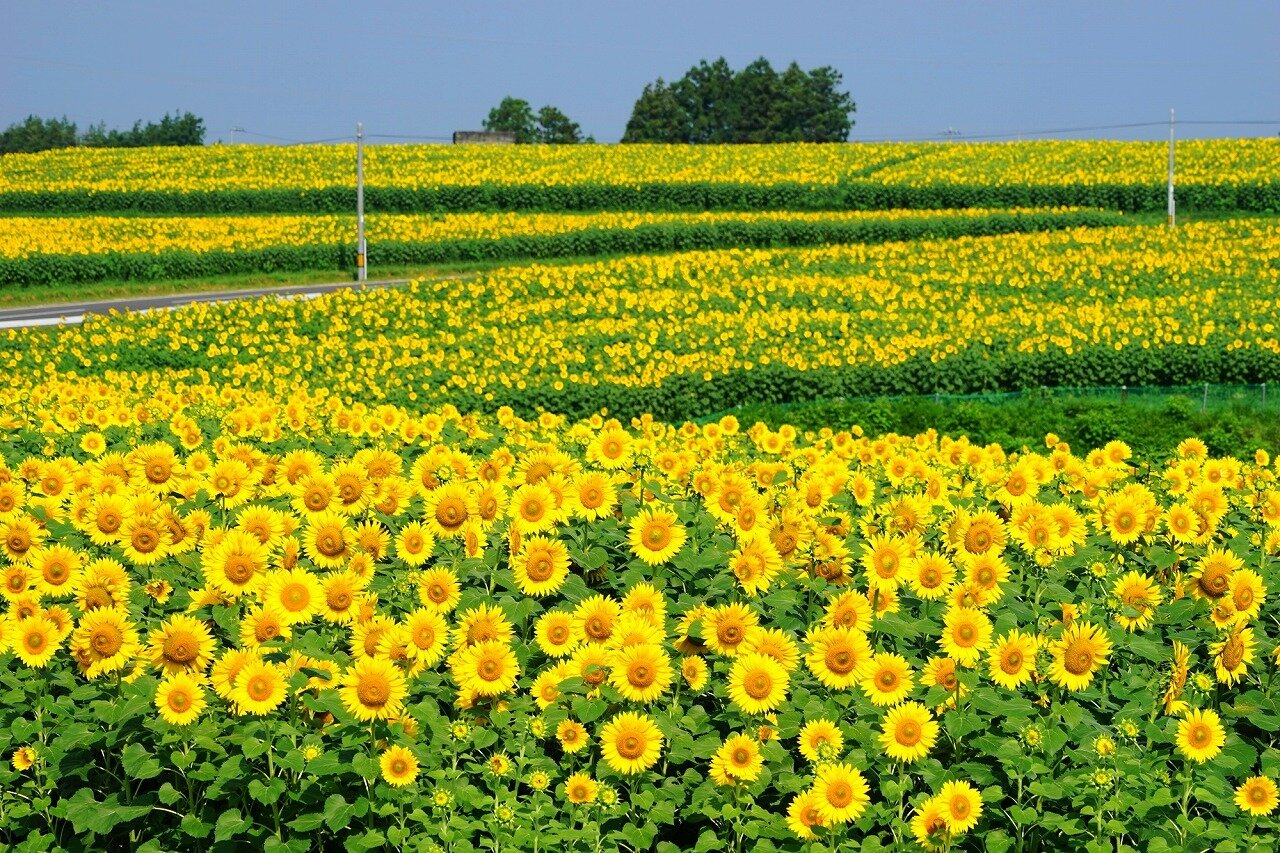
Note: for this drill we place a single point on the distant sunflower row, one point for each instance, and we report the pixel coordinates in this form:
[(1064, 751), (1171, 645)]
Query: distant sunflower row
[(316, 167)]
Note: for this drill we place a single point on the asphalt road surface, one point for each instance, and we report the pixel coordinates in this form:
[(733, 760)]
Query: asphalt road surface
[(75, 312)]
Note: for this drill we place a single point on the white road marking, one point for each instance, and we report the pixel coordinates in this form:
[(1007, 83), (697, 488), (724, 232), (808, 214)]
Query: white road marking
[(41, 321)]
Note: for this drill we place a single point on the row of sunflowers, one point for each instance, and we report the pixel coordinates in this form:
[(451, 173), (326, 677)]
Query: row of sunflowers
[(299, 621), (413, 167), (688, 334), (49, 250)]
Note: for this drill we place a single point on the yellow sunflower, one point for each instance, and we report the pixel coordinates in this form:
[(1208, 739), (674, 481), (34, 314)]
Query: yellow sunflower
[(1257, 796), (803, 815), (259, 687), (656, 535), (572, 736), (839, 657), (415, 543), (630, 743), (694, 670), (488, 668), (262, 625), (581, 789), (296, 594), (820, 740), (908, 732), (842, 793), (966, 633), (439, 588), (737, 760), (236, 563), (179, 699), (1200, 735), (57, 568), (962, 806), (399, 766), (755, 563), (181, 644), (931, 575), (887, 679), (104, 641), (35, 640), (725, 629), (556, 633), (328, 541), (757, 683), (449, 508), (1081, 652), (373, 689), (1137, 597), (428, 635), (641, 673), (1011, 662), (595, 618), (541, 566), (929, 825), (1232, 655)]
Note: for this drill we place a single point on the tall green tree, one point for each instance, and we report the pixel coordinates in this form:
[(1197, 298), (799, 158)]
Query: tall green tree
[(513, 115), (714, 104), (549, 125), (657, 116), (37, 134), (556, 128)]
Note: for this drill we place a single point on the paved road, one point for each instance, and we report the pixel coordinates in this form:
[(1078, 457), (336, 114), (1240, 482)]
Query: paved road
[(74, 312)]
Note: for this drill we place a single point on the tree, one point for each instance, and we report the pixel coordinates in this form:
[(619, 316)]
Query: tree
[(37, 134), (513, 115), (708, 97), (549, 125), (555, 128), (713, 104), (657, 116)]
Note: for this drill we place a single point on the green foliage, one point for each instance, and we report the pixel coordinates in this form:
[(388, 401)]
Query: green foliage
[(184, 129), (549, 125), (852, 194), (37, 134), (513, 115), (1153, 428), (713, 104)]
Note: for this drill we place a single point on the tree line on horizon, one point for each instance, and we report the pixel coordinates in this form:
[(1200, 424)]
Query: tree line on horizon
[(710, 104), (39, 134)]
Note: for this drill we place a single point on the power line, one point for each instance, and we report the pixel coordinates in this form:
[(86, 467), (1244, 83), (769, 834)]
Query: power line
[(951, 133)]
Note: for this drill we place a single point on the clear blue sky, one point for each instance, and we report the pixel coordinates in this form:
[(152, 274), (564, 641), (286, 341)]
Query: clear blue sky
[(309, 70)]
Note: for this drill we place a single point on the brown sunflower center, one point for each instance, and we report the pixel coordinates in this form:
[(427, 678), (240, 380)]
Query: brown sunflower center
[(758, 685), (631, 746)]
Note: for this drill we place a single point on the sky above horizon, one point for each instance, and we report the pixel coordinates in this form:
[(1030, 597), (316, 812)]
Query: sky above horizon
[(289, 72)]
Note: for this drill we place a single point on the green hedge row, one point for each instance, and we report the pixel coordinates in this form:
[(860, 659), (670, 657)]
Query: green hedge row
[(658, 237), (1152, 429), (978, 369), (1262, 197)]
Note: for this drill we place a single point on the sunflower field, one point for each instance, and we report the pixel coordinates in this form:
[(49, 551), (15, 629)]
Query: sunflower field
[(479, 562), (1219, 175), (435, 630)]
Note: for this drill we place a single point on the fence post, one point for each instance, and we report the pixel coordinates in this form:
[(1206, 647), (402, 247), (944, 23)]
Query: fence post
[(1124, 394), (1204, 402), (1264, 395)]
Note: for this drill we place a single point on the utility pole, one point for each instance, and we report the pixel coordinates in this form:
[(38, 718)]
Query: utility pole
[(1172, 222), (362, 271), (234, 131)]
